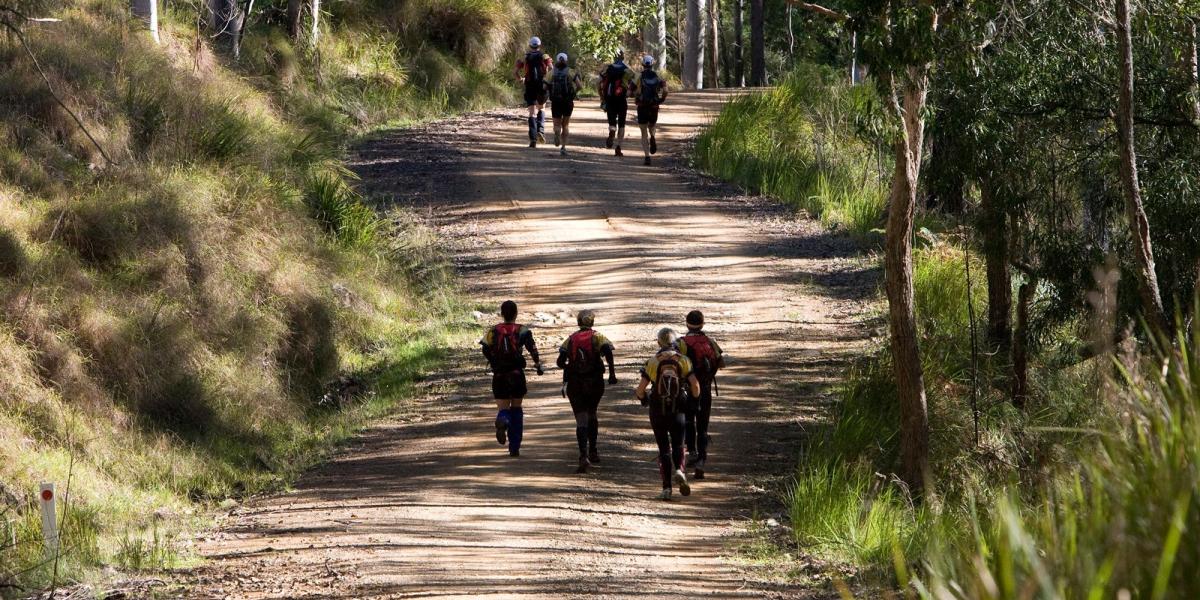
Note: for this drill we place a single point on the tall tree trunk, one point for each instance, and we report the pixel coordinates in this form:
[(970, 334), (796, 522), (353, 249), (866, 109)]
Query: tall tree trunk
[(739, 54), (680, 51), (714, 43), (726, 58), (993, 224), (147, 11), (906, 357), (226, 23), (693, 59), (293, 19), (758, 57), (1144, 251), (660, 34), (1020, 349), (1190, 70), (316, 23)]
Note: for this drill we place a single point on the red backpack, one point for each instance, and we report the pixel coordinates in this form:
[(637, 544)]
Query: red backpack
[(704, 356), (506, 345), (581, 349)]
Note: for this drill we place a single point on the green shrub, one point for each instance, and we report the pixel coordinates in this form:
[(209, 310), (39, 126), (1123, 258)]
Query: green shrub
[(341, 212)]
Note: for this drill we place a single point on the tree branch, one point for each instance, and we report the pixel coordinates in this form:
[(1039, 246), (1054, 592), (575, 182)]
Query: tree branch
[(820, 10)]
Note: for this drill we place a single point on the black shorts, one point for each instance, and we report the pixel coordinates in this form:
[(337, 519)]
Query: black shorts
[(585, 394), (647, 115), (616, 109), (561, 108), (535, 94), (509, 385)]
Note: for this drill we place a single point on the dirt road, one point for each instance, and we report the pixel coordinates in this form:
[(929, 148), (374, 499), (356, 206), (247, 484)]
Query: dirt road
[(430, 505)]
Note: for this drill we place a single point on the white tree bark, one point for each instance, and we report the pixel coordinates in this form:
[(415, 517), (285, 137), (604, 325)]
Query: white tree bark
[(147, 11), (316, 23), (660, 34), (693, 58)]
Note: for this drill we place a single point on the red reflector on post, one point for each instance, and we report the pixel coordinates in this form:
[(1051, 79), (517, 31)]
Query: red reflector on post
[(47, 495)]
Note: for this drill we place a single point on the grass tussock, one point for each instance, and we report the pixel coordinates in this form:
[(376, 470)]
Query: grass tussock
[(172, 325), (811, 142)]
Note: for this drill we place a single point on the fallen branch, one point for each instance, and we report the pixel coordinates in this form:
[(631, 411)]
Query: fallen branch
[(820, 10)]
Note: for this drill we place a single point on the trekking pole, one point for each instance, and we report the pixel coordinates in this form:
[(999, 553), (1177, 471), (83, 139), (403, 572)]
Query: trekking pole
[(716, 388)]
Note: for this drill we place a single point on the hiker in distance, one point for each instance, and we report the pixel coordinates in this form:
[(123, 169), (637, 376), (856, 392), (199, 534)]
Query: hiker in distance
[(564, 85), (706, 358), (583, 383), (615, 81), (503, 347), (531, 71), (662, 391), (649, 91)]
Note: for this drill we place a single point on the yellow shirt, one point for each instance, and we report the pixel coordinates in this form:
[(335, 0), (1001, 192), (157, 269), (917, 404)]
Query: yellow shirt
[(650, 370)]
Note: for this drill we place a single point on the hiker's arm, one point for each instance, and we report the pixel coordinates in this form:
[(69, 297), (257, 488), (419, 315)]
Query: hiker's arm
[(694, 385), (531, 346), (640, 392), (487, 352), (720, 356), (607, 352), (562, 360)]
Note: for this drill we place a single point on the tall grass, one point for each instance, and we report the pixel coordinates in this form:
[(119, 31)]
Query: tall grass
[(806, 142)]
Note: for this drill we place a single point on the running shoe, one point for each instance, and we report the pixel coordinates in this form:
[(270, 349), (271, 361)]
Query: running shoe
[(562, 151), (692, 458), (647, 161), (593, 456), (618, 152), (665, 495), (612, 135), (653, 146), (514, 453), (541, 138), (501, 432), (583, 465), (533, 143), (682, 482)]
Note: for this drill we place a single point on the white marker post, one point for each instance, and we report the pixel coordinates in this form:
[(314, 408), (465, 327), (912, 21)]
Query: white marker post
[(48, 499), (147, 10)]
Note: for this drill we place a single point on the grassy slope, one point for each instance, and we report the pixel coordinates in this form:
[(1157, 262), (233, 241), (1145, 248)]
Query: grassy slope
[(170, 323)]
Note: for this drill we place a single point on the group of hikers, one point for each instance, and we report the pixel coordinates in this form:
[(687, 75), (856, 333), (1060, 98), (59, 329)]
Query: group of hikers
[(555, 80), (676, 387)]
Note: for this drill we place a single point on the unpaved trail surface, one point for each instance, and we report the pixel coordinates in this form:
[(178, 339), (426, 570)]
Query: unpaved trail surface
[(427, 505)]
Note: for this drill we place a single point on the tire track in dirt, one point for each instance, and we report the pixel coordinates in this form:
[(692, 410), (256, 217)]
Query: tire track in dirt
[(427, 505)]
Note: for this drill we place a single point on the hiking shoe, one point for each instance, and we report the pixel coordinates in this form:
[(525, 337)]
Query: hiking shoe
[(533, 143), (699, 465), (593, 456), (562, 151), (665, 495), (653, 146), (583, 465), (501, 432), (541, 138), (557, 140), (514, 453), (682, 482), (647, 161), (612, 135), (618, 152)]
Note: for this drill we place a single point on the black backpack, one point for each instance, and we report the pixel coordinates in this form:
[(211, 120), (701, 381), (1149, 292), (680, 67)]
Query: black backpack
[(649, 87), (614, 81), (535, 66), (561, 85)]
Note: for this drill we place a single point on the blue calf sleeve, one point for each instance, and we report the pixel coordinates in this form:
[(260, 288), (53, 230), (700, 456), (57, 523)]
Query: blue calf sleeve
[(516, 426)]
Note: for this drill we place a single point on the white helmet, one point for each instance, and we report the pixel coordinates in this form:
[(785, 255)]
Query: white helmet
[(535, 42), (561, 58), (619, 55), (647, 61)]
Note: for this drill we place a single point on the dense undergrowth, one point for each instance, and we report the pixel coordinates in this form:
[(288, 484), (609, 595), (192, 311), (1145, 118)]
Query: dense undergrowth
[(1088, 490), (811, 142), (214, 310)]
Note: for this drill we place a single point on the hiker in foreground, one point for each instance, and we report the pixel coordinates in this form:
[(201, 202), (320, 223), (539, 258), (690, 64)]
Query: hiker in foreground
[(649, 91), (564, 84), (503, 347), (666, 374), (583, 382), (706, 358), (531, 72), (615, 81)]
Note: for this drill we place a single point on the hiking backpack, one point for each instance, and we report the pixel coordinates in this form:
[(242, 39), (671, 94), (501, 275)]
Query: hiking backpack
[(614, 81), (581, 349), (649, 88), (561, 86), (703, 354), (535, 66), (668, 385), (506, 345)]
